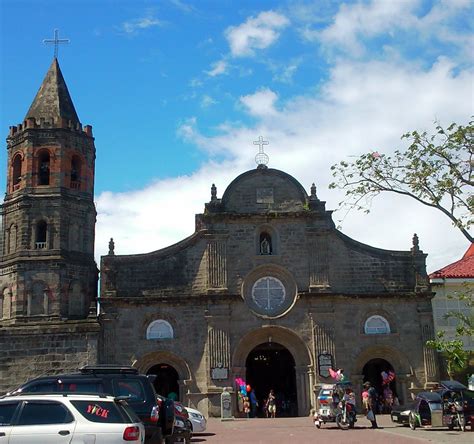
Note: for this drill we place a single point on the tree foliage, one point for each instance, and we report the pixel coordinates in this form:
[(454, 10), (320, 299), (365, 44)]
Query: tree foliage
[(453, 350), (436, 170)]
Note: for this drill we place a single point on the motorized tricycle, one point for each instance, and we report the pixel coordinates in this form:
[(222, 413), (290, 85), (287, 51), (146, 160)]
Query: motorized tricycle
[(335, 405), (431, 409)]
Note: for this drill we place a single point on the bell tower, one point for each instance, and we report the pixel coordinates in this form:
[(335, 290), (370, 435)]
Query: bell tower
[(47, 267)]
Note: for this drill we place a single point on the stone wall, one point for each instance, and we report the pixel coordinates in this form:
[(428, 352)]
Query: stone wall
[(37, 349)]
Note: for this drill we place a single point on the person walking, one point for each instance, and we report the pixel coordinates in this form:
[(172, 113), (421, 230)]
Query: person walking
[(372, 404), (271, 403)]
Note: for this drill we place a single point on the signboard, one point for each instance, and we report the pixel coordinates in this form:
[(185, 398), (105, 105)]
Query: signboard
[(324, 364), (219, 373)]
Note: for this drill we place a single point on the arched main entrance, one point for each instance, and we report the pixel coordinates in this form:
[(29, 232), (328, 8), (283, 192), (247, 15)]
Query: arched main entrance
[(301, 362), (372, 372), (271, 366), (166, 381)]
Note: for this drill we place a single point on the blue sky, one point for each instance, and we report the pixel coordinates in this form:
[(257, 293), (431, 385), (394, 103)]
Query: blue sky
[(177, 90)]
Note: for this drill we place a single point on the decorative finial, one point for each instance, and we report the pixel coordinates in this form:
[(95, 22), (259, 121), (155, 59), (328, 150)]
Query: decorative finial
[(313, 190), (213, 192), (56, 41), (416, 247), (261, 158), (111, 247)]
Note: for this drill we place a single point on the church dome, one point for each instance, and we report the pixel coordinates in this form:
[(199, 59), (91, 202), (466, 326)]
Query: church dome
[(263, 190)]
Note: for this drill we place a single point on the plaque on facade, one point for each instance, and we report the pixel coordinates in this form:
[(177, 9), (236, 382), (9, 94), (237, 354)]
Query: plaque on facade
[(324, 364), (219, 372), (264, 195)]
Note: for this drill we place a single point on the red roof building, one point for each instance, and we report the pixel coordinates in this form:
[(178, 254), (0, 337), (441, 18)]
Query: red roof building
[(461, 269)]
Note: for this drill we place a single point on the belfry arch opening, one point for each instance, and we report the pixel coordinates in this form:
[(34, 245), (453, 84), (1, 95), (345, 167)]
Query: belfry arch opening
[(271, 366), (166, 381)]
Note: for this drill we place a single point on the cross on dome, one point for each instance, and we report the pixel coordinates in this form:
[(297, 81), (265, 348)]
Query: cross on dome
[(56, 41), (261, 158)]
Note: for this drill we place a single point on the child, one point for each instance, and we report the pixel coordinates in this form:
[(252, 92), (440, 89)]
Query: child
[(365, 399)]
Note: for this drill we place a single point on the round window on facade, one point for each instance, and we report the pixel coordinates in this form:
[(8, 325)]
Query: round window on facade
[(269, 291)]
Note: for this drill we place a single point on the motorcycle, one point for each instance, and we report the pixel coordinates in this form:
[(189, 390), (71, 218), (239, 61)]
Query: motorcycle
[(455, 415), (346, 417)]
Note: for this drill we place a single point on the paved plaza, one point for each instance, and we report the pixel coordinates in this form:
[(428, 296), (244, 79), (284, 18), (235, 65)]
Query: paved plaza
[(302, 431)]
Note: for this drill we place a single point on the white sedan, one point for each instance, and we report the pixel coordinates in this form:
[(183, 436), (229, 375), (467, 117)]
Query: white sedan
[(66, 419), (197, 419)]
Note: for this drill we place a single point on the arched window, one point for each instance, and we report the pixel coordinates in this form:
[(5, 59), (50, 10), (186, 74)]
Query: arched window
[(41, 235), (38, 300), (76, 172), (16, 177), (265, 243), (376, 325), (43, 168), (159, 329)]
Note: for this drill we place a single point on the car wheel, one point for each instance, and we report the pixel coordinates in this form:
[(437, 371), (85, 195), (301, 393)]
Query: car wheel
[(462, 422), (412, 421)]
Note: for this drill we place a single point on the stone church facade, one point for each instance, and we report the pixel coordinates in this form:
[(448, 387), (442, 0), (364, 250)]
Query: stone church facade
[(266, 289)]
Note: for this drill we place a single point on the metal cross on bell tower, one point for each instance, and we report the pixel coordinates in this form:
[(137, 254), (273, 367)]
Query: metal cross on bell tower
[(261, 158), (56, 41)]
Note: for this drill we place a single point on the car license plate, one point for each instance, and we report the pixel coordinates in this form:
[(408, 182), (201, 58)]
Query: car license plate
[(179, 439)]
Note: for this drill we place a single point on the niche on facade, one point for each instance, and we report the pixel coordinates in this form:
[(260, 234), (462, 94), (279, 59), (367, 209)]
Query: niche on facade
[(12, 236), (38, 300), (76, 305), (266, 241), (160, 329)]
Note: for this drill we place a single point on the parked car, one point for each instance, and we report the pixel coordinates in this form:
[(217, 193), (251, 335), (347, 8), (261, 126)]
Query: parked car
[(182, 426), (401, 413), (40, 419), (117, 381), (198, 421)]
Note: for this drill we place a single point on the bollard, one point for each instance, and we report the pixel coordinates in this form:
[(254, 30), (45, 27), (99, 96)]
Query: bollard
[(226, 405)]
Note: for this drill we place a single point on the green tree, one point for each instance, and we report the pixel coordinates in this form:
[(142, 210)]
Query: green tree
[(453, 350), (436, 170)]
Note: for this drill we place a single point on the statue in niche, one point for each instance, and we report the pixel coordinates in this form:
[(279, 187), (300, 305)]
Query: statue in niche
[(265, 245)]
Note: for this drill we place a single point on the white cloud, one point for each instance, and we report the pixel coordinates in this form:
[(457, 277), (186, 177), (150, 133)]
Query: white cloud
[(132, 26), (207, 101), (361, 107), (256, 33), (260, 104), (354, 23), (218, 68)]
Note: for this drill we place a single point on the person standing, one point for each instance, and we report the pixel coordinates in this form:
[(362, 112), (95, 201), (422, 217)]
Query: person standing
[(253, 404), (271, 402), (372, 404)]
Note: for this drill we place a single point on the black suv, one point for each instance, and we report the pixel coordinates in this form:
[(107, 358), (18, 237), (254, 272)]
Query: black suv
[(124, 382)]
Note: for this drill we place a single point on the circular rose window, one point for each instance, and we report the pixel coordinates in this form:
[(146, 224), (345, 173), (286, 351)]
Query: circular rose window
[(268, 293)]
